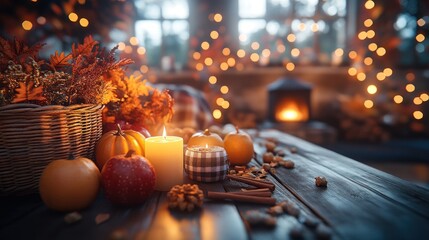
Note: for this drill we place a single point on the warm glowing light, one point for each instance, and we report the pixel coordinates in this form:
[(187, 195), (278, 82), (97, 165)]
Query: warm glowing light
[(380, 76), (196, 55), (410, 76), (302, 26), (242, 37), (212, 80), (128, 49), (84, 22), (388, 72), (255, 45), (381, 51), (370, 34), (339, 52), (231, 62), (417, 101), (224, 89), (205, 45), (368, 61), (420, 37), (219, 101), (418, 115), (372, 89), (424, 97), (217, 114), (291, 37), (224, 66), (239, 66), (362, 35), (398, 99), (254, 57), (314, 27), (27, 25), (290, 111), (134, 41), (226, 51), (199, 66), (290, 66), (421, 22), (369, 4), (372, 47), (410, 87), (217, 17), (121, 46), (368, 23), (73, 17), (144, 69), (225, 105), (141, 50), (352, 54), (295, 52), (41, 20), (208, 61), (281, 48), (214, 34), (361, 76), (241, 53), (352, 71), (164, 133), (266, 52), (368, 104)]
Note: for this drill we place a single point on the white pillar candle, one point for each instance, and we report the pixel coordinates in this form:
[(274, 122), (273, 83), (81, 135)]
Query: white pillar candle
[(166, 155)]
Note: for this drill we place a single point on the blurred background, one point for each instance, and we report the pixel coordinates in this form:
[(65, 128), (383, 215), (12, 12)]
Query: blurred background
[(350, 75)]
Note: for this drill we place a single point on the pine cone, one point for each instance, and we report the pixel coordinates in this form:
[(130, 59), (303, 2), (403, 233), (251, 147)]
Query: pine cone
[(185, 197)]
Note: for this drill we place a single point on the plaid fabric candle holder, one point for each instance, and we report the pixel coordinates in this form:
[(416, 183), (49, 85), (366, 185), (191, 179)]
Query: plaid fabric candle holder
[(206, 164)]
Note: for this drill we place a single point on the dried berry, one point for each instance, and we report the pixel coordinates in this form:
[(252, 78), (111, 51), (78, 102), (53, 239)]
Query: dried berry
[(268, 157), (185, 197), (321, 181)]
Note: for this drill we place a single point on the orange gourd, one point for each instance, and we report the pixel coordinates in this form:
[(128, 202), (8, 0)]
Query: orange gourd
[(69, 184), (239, 147), (118, 142), (206, 137)]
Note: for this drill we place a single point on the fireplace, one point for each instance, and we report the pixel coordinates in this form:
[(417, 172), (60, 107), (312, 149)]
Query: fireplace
[(289, 101)]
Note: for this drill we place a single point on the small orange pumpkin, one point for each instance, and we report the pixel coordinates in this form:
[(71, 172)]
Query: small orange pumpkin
[(118, 142), (239, 147), (205, 138), (69, 184)]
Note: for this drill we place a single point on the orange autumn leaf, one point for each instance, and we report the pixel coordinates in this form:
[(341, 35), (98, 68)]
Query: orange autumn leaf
[(88, 44), (26, 93), (60, 60)]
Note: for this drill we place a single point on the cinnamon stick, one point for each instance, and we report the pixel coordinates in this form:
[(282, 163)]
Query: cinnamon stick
[(241, 198), (253, 182), (255, 194), (255, 190)]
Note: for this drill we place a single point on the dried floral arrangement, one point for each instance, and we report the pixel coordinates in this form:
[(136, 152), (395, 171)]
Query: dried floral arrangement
[(65, 79), (88, 74)]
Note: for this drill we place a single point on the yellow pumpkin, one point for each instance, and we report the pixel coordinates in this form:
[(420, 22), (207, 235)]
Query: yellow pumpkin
[(118, 142), (69, 184), (205, 138)]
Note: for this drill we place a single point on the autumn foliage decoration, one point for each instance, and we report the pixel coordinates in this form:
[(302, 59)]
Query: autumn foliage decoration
[(66, 79)]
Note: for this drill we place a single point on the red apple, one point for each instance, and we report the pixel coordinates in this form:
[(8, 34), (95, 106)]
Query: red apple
[(128, 179)]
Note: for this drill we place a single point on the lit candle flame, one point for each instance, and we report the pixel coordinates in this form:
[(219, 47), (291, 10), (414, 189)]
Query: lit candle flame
[(164, 133), (207, 146)]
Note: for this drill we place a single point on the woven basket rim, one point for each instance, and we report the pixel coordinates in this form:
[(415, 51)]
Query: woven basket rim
[(34, 108)]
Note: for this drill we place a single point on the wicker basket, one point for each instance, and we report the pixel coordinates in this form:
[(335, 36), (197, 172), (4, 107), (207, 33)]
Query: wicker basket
[(32, 136)]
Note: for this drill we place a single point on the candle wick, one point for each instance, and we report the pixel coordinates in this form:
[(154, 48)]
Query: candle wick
[(165, 137)]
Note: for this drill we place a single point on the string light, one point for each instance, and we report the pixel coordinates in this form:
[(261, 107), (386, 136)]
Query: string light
[(352, 71), (141, 50), (84, 22), (205, 45), (417, 101), (212, 80), (27, 25), (224, 89), (217, 114), (368, 22), (217, 17), (214, 34), (295, 52), (196, 55), (231, 62), (398, 99), (372, 89), (368, 103), (352, 54), (410, 87), (424, 97), (369, 4), (224, 66), (380, 76), (418, 115), (372, 47), (226, 51), (420, 38), (241, 53), (134, 41), (255, 45), (381, 51), (368, 61), (254, 57), (421, 22), (291, 37), (73, 17), (144, 68), (290, 66), (361, 76)]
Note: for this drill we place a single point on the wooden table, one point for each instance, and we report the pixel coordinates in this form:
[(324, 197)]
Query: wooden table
[(359, 203)]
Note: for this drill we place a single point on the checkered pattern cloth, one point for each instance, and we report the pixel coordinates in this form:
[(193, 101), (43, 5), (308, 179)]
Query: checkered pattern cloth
[(206, 166), (191, 108)]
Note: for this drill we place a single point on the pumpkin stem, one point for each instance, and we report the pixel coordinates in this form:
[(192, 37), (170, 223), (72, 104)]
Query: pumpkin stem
[(71, 156), (130, 153), (207, 132), (119, 130), (236, 128)]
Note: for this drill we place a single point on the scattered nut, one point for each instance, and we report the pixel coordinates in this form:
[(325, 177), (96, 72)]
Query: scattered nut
[(288, 164), (268, 157), (281, 153), (323, 232), (270, 146), (185, 197), (297, 232), (277, 159), (266, 166), (239, 168), (259, 219), (292, 209), (293, 150), (101, 218), (321, 181), (275, 210), (311, 222), (72, 217)]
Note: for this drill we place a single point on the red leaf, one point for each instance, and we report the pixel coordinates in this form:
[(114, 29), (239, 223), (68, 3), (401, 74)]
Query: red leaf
[(16, 51), (60, 60)]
